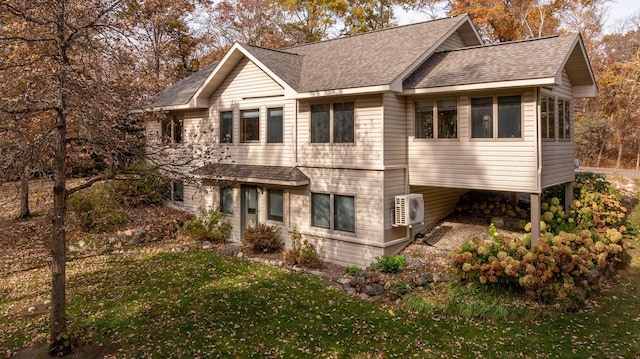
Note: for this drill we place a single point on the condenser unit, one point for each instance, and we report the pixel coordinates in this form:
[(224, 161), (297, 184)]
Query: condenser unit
[(409, 209)]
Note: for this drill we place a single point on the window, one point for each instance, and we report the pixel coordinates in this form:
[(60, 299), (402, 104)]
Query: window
[(509, 117), (320, 123), (274, 125), (226, 127), (177, 191), (544, 117), (276, 204), (172, 129), (342, 207), (341, 115), (506, 109), (482, 117), (226, 199), (446, 113), (555, 117), (344, 213), (250, 126), (343, 122)]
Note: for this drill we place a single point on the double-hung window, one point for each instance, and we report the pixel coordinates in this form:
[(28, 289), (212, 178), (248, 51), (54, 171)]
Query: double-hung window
[(250, 126), (172, 129), (501, 115), (436, 119), (332, 123), (333, 211), (226, 127), (274, 125)]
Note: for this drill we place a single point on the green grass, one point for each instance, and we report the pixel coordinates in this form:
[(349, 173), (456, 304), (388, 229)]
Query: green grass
[(197, 304)]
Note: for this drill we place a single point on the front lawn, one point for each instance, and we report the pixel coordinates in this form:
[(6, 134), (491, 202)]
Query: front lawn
[(197, 304)]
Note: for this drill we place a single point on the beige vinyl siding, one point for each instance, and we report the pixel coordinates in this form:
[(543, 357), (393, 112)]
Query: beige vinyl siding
[(453, 42), (195, 126), (364, 153), (195, 199), (489, 164), (395, 130), (439, 202), (247, 87), (153, 131), (394, 185), (558, 154)]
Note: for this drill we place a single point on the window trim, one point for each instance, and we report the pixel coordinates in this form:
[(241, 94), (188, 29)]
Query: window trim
[(231, 136), (242, 131), (268, 114), (332, 212), (173, 121), (568, 106), (435, 120), (332, 139), (279, 219), (495, 118), (221, 191)]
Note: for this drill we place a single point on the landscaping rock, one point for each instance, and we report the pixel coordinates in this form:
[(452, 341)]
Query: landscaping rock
[(280, 264), (240, 255), (344, 281), (82, 243), (364, 296), (351, 291), (133, 242), (230, 249), (424, 279), (373, 289), (206, 245)]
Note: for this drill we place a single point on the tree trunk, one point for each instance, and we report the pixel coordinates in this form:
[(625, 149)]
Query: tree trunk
[(604, 142), (620, 147), (59, 342), (24, 192)]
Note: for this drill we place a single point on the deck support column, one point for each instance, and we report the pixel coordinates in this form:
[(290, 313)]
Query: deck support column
[(535, 219), (568, 195)]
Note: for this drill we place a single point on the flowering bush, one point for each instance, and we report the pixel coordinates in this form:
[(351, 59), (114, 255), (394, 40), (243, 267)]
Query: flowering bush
[(561, 266)]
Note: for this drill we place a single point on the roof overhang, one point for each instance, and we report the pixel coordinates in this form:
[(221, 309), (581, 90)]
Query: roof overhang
[(550, 81), (578, 67), (265, 175), (345, 91), (163, 108)]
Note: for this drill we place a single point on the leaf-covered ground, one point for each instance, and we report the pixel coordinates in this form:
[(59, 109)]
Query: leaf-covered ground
[(149, 302)]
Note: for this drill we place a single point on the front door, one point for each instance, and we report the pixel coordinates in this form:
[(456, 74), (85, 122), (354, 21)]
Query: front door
[(249, 204)]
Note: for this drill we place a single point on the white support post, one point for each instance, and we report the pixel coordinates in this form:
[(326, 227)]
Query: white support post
[(535, 219)]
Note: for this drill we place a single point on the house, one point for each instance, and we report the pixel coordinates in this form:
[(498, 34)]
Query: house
[(350, 139)]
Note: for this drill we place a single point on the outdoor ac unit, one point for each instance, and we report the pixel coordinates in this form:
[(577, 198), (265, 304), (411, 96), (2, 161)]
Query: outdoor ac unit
[(409, 209)]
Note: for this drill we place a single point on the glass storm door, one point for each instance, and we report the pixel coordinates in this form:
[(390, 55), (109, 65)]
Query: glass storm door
[(249, 206)]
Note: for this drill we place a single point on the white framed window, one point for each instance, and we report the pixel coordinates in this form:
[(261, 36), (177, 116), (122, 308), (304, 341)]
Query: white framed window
[(436, 118), (496, 117), (333, 123), (333, 211), (172, 128)]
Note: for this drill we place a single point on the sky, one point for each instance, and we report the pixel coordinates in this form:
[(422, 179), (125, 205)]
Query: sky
[(618, 10)]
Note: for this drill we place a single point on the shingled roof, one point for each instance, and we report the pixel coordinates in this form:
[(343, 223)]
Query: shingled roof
[(179, 93), (512, 61), (274, 175), (284, 64), (369, 59)]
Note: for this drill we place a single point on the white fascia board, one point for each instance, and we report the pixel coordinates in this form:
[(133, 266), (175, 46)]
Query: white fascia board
[(164, 108), (347, 91), (483, 86)]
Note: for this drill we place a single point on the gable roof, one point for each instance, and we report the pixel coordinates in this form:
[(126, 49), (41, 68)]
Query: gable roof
[(180, 92), (370, 59), (377, 60), (536, 62)]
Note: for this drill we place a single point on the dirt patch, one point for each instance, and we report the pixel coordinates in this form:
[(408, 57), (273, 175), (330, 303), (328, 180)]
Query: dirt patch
[(41, 351)]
